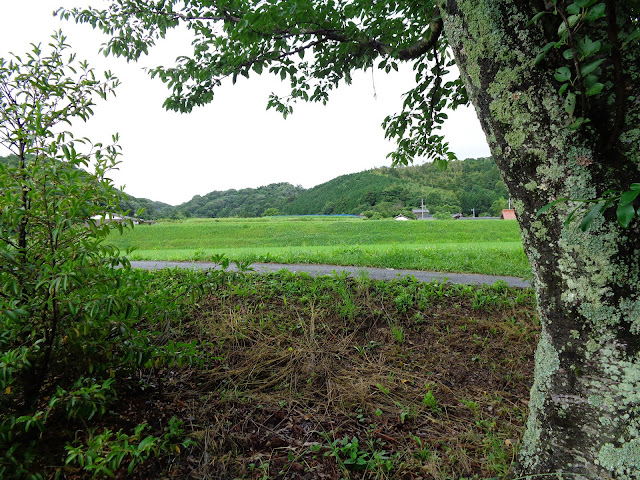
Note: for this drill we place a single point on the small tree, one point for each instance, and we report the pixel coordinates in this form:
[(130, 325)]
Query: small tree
[(57, 281)]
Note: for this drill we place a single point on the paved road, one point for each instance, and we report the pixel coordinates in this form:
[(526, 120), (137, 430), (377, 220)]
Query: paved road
[(376, 273)]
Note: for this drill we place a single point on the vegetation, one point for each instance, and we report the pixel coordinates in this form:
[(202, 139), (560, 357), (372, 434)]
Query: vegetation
[(286, 375), (247, 202), (490, 246), (469, 186), (148, 209), (466, 186), (556, 87), (71, 315)]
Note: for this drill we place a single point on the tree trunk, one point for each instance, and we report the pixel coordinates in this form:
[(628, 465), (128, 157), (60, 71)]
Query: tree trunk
[(584, 418)]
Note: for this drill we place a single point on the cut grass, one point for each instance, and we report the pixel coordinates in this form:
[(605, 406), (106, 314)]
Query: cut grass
[(311, 381), (491, 246), (324, 377)]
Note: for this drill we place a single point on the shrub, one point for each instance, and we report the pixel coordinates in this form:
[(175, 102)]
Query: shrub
[(68, 301)]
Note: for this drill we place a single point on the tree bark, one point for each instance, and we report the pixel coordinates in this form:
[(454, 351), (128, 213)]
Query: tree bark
[(584, 419)]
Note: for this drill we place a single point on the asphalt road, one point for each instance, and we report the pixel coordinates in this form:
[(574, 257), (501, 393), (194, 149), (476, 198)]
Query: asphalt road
[(375, 273)]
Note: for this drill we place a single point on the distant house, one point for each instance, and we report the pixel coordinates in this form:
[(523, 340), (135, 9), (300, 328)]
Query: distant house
[(422, 213), (108, 218), (401, 217), (508, 214)]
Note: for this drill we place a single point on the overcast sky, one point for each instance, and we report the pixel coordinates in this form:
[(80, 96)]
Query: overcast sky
[(232, 142)]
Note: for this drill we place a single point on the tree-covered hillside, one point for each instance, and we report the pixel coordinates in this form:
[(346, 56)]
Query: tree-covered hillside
[(475, 183), (345, 194), (248, 202), (152, 210), (465, 186)]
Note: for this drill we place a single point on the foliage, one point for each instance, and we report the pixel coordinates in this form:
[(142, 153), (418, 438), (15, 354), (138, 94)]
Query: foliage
[(69, 303), (104, 453), (271, 212), (581, 78), (247, 202), (55, 270), (315, 45), (149, 209)]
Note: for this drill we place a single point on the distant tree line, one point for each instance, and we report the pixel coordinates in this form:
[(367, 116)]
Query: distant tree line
[(466, 186)]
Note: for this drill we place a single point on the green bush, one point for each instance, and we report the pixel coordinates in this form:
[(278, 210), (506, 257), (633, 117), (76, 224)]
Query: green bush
[(69, 303)]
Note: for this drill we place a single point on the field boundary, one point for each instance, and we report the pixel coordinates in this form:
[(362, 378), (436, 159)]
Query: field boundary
[(371, 272)]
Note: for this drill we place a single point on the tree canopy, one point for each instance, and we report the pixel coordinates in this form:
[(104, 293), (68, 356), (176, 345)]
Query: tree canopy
[(314, 45)]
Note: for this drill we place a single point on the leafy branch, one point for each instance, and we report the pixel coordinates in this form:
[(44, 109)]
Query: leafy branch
[(625, 212)]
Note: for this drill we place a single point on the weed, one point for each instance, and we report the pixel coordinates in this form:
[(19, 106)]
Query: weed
[(430, 401), (407, 412), (398, 333), (424, 452), (351, 456), (105, 452)]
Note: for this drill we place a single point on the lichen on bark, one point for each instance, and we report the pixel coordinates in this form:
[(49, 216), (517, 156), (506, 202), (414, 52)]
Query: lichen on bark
[(584, 407)]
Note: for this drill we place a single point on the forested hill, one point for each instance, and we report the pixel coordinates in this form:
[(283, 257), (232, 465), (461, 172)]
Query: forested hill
[(248, 202), (383, 192), (464, 186)]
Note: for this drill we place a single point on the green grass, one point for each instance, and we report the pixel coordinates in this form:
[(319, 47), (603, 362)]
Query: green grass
[(490, 246)]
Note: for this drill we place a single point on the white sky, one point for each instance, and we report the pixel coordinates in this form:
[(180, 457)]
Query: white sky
[(232, 142)]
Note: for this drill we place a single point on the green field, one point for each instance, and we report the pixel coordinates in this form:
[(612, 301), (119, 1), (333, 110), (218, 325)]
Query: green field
[(487, 246)]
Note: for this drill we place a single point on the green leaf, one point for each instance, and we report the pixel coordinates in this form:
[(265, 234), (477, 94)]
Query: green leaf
[(536, 18), (596, 12), (573, 20), (576, 124), (589, 81), (573, 9), (635, 186), (595, 89), (583, 3), (590, 216), (567, 54), (543, 53), (626, 197), (588, 47), (625, 213), (562, 29), (570, 103), (632, 36), (563, 74), (563, 88), (590, 67), (551, 204)]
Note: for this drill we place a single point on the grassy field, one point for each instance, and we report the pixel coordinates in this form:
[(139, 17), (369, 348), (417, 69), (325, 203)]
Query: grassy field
[(490, 246)]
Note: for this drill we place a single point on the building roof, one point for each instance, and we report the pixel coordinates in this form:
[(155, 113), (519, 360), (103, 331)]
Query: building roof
[(508, 214)]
